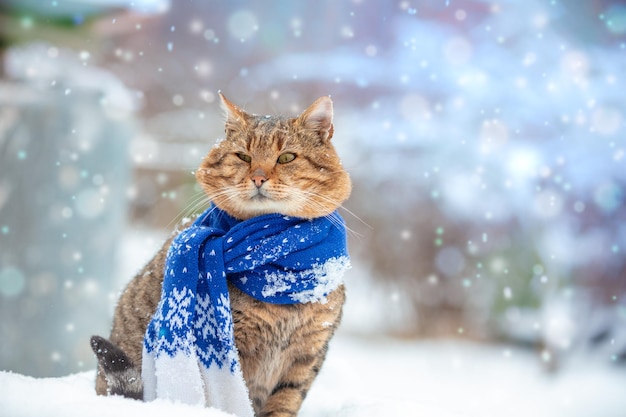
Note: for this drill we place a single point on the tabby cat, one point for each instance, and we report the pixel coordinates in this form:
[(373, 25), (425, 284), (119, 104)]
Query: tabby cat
[(265, 164)]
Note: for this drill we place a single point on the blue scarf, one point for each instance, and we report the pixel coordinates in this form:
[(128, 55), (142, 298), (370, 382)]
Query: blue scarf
[(189, 348)]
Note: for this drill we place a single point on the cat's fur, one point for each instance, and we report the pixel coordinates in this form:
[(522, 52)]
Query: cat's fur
[(281, 347)]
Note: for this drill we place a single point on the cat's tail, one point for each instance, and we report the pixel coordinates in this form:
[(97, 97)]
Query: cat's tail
[(121, 375)]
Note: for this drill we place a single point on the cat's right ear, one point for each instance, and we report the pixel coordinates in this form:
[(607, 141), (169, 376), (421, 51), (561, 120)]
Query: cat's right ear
[(234, 115), (319, 118)]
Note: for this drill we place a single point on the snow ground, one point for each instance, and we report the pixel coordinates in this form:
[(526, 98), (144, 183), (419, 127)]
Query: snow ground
[(367, 377)]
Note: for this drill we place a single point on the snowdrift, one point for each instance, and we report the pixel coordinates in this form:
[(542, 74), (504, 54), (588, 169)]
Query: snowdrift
[(373, 378)]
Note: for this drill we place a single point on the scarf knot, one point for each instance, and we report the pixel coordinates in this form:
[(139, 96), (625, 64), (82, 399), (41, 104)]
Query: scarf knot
[(189, 349)]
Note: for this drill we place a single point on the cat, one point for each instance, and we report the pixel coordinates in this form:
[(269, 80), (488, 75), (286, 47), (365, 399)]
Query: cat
[(265, 164)]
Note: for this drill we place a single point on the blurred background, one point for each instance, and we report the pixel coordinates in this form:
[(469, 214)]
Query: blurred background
[(485, 139)]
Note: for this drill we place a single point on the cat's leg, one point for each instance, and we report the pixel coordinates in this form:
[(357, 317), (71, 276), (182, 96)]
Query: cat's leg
[(286, 397)]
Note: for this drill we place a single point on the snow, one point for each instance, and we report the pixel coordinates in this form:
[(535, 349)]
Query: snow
[(329, 276), (74, 395), (376, 377)]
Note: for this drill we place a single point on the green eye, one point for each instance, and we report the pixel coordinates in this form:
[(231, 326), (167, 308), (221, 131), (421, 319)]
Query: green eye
[(244, 157), (286, 158)]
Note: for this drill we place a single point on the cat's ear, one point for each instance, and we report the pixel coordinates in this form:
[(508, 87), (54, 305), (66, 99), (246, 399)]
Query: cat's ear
[(234, 115), (319, 118)]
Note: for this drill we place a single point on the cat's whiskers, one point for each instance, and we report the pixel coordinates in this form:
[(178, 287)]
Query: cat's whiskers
[(238, 197), (197, 203), (290, 195), (224, 195), (202, 201), (304, 198), (351, 213)]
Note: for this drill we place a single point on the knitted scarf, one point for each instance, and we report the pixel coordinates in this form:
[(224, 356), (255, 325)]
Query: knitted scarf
[(189, 352)]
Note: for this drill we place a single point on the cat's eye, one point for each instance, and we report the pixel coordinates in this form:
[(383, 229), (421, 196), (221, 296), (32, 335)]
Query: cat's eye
[(244, 157), (286, 158)]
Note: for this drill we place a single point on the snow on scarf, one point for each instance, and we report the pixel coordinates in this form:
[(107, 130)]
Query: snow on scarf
[(189, 352)]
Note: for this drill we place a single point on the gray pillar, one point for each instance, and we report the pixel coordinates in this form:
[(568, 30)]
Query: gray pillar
[(64, 169)]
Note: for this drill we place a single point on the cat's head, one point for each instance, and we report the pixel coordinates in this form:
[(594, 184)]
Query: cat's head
[(274, 164)]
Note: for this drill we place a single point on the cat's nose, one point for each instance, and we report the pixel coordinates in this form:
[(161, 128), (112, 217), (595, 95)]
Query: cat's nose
[(258, 177)]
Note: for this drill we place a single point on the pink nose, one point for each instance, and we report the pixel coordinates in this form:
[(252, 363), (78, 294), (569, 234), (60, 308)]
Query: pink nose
[(258, 177)]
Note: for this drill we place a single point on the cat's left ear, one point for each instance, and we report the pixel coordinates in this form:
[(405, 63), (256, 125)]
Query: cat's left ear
[(234, 115), (319, 118)]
